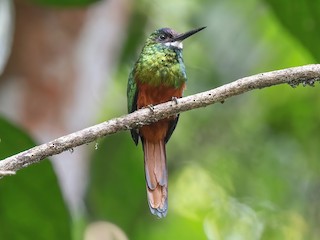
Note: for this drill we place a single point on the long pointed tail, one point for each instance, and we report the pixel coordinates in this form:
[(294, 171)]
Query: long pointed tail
[(156, 176)]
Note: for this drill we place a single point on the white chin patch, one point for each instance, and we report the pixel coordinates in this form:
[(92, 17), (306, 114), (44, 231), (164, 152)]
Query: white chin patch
[(176, 44)]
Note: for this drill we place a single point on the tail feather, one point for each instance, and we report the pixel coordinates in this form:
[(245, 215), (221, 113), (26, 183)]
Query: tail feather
[(156, 176)]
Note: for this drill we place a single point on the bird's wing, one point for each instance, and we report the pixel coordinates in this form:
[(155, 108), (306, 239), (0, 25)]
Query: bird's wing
[(172, 126), (132, 94)]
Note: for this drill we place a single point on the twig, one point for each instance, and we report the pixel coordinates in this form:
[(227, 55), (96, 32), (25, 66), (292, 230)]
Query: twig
[(306, 75)]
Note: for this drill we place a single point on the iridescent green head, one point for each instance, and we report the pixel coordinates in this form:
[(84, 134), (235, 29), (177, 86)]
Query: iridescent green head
[(170, 38)]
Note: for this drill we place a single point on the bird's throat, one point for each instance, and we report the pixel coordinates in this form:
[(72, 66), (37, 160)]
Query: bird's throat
[(176, 44)]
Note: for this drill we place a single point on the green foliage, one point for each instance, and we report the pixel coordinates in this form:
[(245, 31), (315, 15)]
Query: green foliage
[(31, 205), (117, 182), (301, 18)]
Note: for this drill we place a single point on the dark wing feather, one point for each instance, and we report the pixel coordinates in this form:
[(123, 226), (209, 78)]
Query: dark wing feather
[(132, 95), (172, 126)]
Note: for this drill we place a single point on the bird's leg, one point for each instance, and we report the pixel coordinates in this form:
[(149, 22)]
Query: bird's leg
[(175, 99)]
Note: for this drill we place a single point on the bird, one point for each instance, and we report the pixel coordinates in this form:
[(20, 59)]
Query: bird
[(158, 76)]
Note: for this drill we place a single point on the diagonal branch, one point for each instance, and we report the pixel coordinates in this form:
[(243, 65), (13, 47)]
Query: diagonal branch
[(306, 75)]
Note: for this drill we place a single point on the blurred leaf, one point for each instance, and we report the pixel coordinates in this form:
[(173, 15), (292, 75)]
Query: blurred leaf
[(65, 3), (302, 19), (31, 205), (174, 226)]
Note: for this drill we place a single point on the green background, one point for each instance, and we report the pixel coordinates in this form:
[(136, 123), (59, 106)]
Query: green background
[(245, 169)]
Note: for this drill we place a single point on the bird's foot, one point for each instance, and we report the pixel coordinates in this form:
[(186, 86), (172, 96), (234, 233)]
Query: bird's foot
[(175, 99), (150, 106)]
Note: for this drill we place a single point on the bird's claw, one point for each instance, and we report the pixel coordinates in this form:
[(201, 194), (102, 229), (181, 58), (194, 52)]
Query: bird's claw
[(175, 99), (150, 106)]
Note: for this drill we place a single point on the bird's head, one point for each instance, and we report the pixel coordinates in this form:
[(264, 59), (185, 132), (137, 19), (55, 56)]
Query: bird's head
[(169, 38)]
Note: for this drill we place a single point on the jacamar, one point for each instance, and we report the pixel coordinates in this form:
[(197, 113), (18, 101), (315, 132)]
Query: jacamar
[(158, 76)]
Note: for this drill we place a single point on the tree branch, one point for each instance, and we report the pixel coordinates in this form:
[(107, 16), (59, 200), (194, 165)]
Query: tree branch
[(306, 75)]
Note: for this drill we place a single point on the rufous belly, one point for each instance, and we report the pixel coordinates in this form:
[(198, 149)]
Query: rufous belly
[(151, 95)]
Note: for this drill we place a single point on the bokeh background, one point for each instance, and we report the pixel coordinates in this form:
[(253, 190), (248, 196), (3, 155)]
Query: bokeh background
[(245, 169)]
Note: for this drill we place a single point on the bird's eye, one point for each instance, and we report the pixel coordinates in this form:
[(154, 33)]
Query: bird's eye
[(162, 37)]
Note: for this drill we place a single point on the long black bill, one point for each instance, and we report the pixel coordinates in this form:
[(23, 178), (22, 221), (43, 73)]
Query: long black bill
[(183, 36)]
